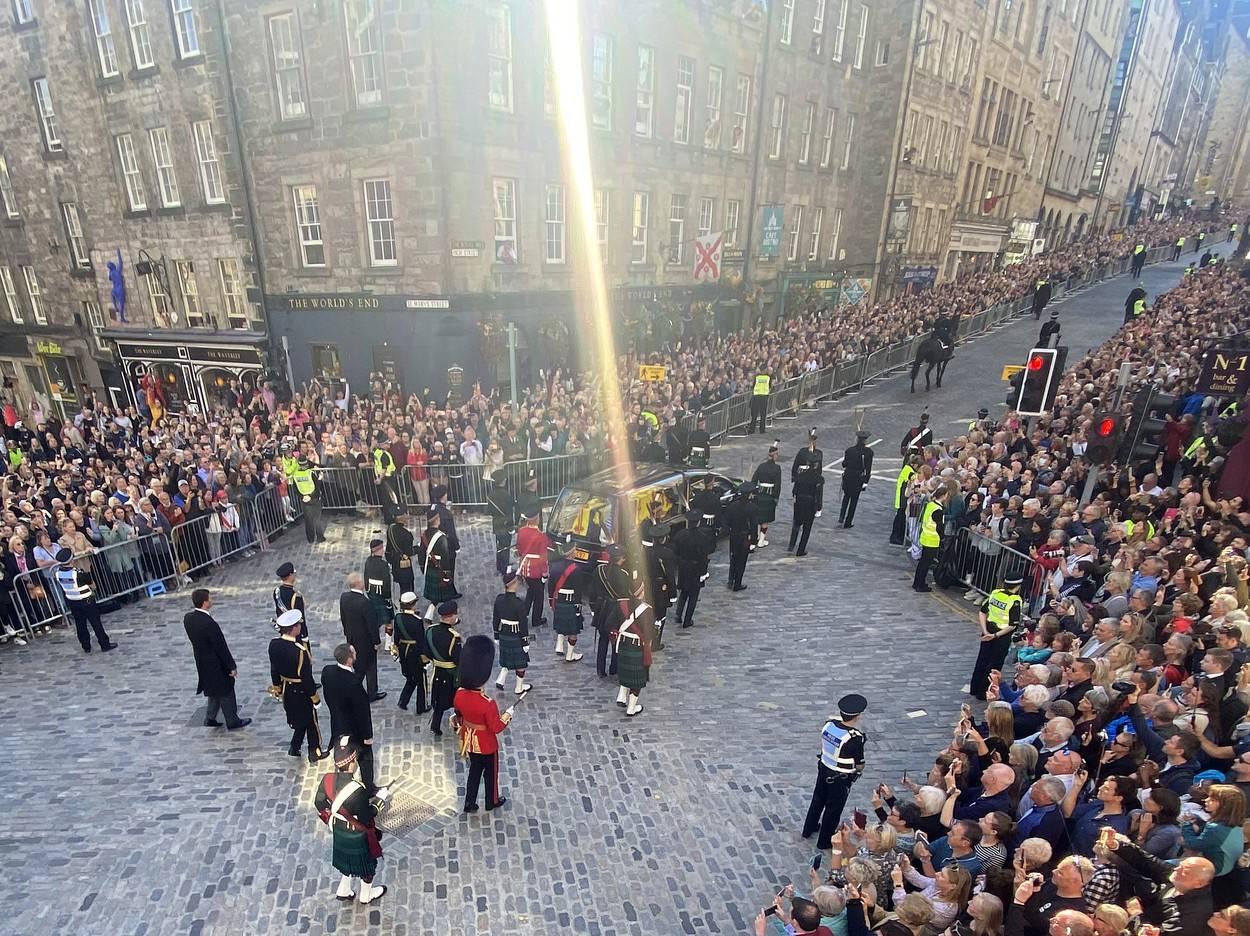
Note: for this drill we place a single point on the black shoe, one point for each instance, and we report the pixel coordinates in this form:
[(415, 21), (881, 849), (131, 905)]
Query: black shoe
[(211, 724), (243, 723), (404, 706), (471, 808), (420, 711), (378, 697), (895, 542), (86, 649), (295, 752), (808, 835), (107, 647), (847, 526), (686, 624), (437, 733), (739, 588), (801, 552), (922, 588), (502, 800), (313, 758)]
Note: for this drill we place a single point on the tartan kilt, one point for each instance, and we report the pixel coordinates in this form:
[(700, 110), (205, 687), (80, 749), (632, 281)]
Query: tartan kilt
[(512, 652), (351, 853), (630, 666), (567, 619), (766, 508), (435, 590)]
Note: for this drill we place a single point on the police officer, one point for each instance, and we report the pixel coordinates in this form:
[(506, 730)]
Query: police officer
[(410, 648), (1000, 615), (1189, 268), (661, 576), (400, 547), (564, 592), (310, 496), (1202, 235), (932, 525), (1048, 337), (981, 422), (759, 401), (291, 678), (378, 585), (807, 484), (286, 598), (856, 470), (1135, 304), (767, 480), (840, 764), (1041, 296), (700, 443), (384, 478), (1139, 259), (612, 588), (693, 546), (1180, 245), (905, 474), (742, 524), (76, 587), (503, 519)]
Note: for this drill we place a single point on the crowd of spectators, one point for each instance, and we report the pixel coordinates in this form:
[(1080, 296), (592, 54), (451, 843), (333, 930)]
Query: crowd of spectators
[(1104, 790)]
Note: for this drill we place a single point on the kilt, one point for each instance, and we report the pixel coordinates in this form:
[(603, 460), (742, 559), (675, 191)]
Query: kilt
[(567, 618), (435, 590), (351, 853), (765, 508), (512, 652), (630, 666)]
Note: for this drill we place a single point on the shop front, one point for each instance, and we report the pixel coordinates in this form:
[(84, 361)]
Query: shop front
[(192, 375), (806, 292), (975, 245)]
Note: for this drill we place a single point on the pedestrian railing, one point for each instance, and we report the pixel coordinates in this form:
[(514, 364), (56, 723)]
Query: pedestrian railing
[(981, 562), (228, 530)]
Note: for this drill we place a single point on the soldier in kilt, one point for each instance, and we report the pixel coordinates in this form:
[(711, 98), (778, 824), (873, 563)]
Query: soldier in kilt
[(634, 639), (434, 553), (767, 480), (411, 650), (512, 632), (345, 806), (564, 593)]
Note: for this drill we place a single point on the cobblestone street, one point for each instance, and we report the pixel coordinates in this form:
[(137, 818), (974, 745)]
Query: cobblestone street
[(126, 816)]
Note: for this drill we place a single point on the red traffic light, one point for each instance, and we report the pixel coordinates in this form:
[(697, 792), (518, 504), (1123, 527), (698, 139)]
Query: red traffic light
[(1106, 427), (1036, 362)]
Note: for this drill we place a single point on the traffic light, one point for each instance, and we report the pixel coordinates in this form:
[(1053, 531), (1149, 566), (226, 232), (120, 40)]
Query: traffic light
[(1042, 370), (1147, 426), (1104, 438)]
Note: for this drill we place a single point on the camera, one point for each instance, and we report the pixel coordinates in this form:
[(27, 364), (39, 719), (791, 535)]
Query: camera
[(1121, 686)]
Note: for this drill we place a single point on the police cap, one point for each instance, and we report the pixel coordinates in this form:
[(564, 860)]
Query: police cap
[(1013, 578), (852, 705), (982, 413), (64, 555), (288, 619), (285, 569), (448, 608), (407, 599)]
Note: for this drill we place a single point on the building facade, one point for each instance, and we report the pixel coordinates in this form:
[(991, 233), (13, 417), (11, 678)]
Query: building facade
[(122, 215), (1226, 149)]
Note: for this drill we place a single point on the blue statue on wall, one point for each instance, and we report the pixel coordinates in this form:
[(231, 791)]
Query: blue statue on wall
[(119, 285)]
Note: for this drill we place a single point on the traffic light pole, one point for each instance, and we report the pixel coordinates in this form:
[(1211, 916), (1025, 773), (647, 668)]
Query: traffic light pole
[(1087, 493)]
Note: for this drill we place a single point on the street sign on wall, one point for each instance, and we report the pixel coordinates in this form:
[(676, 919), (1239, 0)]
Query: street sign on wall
[(774, 219)]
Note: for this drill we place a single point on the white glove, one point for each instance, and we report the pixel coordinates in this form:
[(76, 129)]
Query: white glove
[(819, 512)]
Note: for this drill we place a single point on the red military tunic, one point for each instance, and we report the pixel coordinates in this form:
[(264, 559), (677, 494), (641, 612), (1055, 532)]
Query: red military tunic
[(480, 722), (531, 546)]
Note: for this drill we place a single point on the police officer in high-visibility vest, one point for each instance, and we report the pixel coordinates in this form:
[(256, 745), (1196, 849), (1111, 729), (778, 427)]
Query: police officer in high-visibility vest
[(1189, 268), (80, 601), (932, 523), (1139, 260), (759, 402), (899, 528), (306, 487), (840, 764), (1135, 304), (384, 477), (1202, 235), (1000, 615), (1180, 245), (700, 443)]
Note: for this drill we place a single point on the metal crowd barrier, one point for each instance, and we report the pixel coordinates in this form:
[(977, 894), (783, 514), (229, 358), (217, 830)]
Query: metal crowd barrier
[(214, 538), (981, 563)]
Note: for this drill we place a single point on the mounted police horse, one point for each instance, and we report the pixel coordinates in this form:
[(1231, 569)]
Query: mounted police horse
[(935, 351)]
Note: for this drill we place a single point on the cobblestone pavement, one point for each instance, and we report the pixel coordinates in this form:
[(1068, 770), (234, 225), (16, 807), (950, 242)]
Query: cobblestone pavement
[(126, 816)]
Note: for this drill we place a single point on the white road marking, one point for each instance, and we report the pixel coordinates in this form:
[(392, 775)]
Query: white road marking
[(829, 467)]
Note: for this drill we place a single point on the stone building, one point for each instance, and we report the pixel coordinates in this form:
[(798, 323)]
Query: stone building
[(1069, 202), (116, 142), (1226, 149)]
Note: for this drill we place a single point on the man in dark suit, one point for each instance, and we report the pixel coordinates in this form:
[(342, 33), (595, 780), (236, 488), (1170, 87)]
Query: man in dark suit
[(345, 697), (362, 629), (213, 663)]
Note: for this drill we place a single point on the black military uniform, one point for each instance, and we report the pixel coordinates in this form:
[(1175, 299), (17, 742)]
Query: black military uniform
[(840, 764), (444, 643), (807, 484), (700, 446), (291, 678), (917, 437), (705, 507), (528, 503), (651, 450), (661, 576), (856, 470), (503, 520), (286, 598), (411, 650), (767, 480), (742, 523), (611, 590), (378, 585), (399, 551), (693, 546)]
